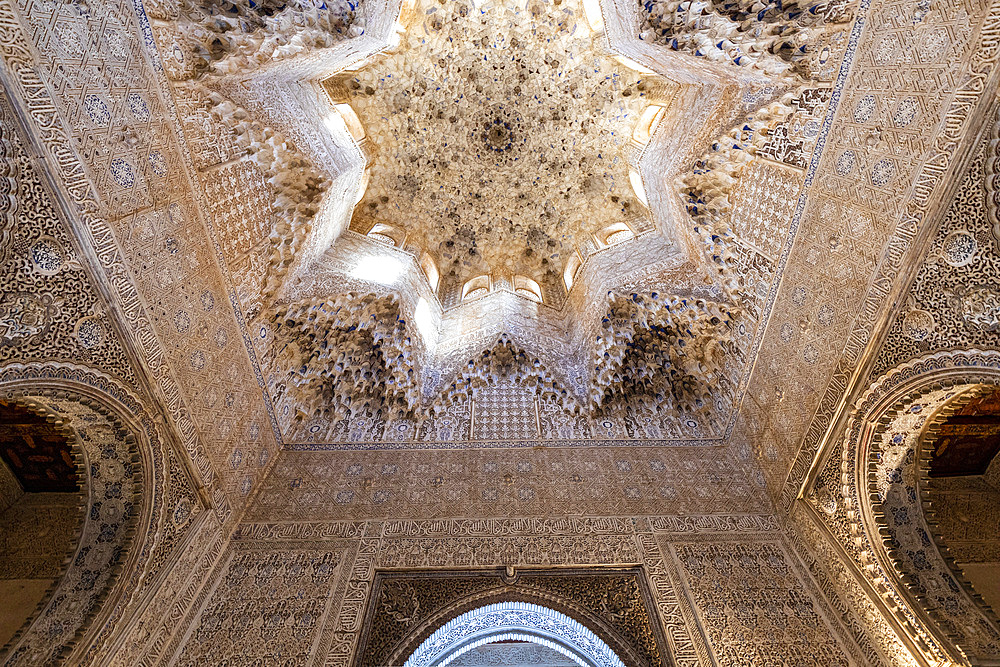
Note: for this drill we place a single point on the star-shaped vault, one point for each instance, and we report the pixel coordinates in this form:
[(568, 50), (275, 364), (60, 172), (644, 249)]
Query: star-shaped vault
[(505, 207)]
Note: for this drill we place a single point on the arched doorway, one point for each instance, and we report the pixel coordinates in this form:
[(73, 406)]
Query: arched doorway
[(885, 479), (586, 616), (108, 456)]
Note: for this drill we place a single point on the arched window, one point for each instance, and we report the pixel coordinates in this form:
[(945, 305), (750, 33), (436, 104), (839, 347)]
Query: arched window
[(430, 270), (366, 177), (528, 288), (614, 234), (646, 124), (572, 266), (387, 234), (517, 622), (635, 178), (476, 287), (351, 120)]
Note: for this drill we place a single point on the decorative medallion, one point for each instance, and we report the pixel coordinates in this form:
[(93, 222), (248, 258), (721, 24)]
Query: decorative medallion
[(24, 316)]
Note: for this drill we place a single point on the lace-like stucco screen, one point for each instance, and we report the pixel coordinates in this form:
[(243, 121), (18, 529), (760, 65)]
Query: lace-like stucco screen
[(519, 621)]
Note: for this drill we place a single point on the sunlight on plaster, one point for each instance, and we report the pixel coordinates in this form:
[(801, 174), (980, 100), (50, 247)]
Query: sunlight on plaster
[(335, 124), (381, 270), (647, 123), (569, 273), (592, 10), (351, 121), (640, 192), (430, 270), (633, 65), (363, 186), (360, 63), (425, 322), (342, 121), (395, 38)]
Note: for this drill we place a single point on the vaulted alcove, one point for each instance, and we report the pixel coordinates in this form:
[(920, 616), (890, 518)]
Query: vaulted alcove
[(42, 503)]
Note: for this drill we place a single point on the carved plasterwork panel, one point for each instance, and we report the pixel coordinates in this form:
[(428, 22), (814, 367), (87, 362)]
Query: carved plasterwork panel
[(754, 604), (49, 309), (30, 555), (954, 300), (862, 214), (864, 621), (967, 512), (152, 629), (267, 606), (504, 482), (692, 633), (524, 654)]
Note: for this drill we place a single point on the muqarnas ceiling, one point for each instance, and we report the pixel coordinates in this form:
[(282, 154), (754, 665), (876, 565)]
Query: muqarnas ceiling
[(498, 137), (531, 210)]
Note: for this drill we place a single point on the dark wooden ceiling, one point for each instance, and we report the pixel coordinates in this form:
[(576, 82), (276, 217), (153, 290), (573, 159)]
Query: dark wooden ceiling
[(36, 451)]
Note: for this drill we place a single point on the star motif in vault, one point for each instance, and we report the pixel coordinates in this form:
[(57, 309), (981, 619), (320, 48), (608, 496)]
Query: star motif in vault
[(499, 141), (506, 190)]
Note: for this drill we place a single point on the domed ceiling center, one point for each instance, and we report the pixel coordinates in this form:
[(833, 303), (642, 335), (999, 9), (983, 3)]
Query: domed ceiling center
[(498, 132)]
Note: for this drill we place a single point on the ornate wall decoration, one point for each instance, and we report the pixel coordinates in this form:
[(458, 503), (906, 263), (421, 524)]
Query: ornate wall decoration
[(500, 482), (33, 553), (407, 608), (105, 197), (865, 622), (207, 177), (47, 301), (965, 513), (513, 654), (991, 170), (953, 300), (10, 487), (530, 544), (153, 628), (877, 513), (296, 588), (872, 208), (755, 608)]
